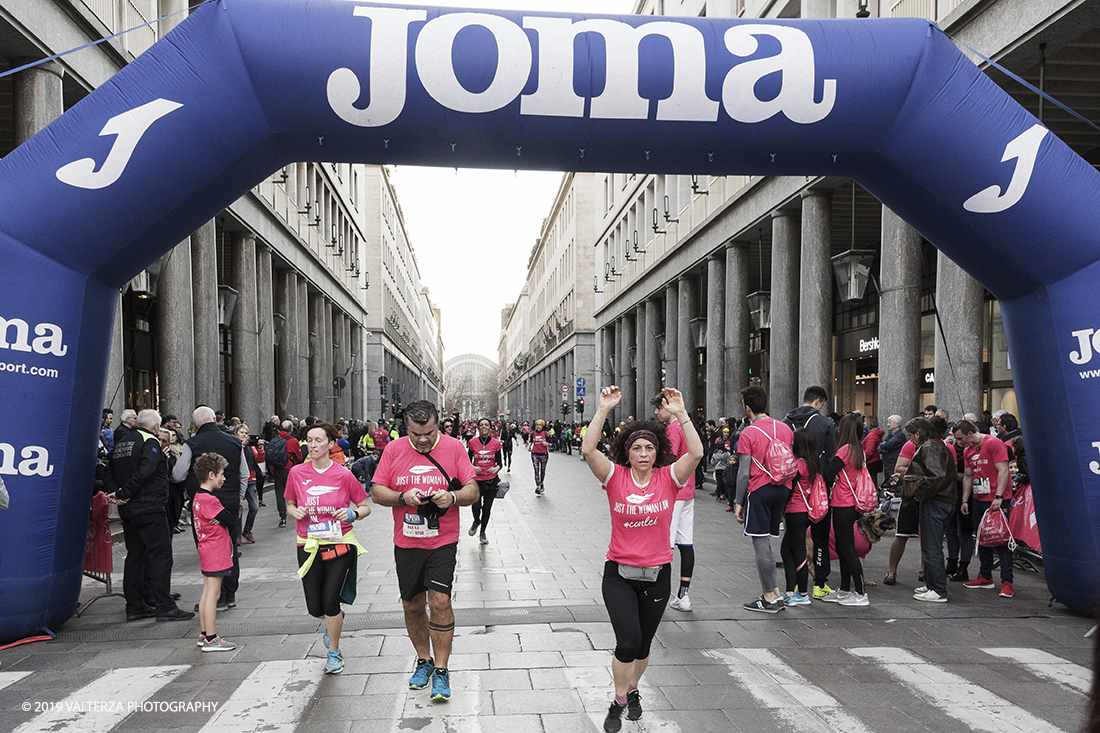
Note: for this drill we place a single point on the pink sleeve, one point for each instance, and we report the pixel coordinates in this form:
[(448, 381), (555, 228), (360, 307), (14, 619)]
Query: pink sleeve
[(382, 473)]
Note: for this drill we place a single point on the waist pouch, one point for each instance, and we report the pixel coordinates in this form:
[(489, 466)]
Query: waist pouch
[(331, 552), (646, 575)]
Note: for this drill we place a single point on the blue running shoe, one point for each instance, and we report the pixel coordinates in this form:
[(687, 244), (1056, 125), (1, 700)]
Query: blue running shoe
[(324, 637), (421, 675), (441, 685), (335, 663), (798, 599)]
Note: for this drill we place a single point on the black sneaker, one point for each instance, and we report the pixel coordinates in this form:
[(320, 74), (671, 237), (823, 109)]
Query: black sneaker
[(633, 705), (282, 522), (176, 614), (614, 723), (539, 490), (764, 606), (147, 612)]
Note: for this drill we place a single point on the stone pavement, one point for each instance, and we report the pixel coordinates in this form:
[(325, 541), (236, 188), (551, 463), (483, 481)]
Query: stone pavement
[(533, 647)]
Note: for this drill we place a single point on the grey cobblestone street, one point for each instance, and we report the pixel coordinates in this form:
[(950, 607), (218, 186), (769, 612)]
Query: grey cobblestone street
[(532, 650)]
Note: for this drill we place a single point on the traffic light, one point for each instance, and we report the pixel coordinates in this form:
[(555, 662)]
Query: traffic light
[(565, 408), (580, 405)]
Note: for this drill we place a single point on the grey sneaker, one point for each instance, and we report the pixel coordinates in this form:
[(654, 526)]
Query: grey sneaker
[(218, 645)]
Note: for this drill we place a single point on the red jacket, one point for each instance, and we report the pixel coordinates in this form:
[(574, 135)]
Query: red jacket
[(870, 445), (293, 450)]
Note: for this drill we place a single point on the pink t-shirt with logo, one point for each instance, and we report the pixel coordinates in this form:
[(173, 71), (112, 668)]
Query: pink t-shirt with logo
[(641, 516), (215, 545), (402, 468), (321, 493), (540, 442), (797, 502), (982, 460), (843, 487), (679, 448), (754, 443), (484, 457)]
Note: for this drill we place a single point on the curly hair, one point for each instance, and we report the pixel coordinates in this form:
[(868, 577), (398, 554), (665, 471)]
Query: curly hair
[(208, 463), (619, 454)]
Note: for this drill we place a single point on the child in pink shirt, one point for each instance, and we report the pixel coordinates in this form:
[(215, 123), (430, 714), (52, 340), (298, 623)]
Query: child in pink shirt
[(212, 523)]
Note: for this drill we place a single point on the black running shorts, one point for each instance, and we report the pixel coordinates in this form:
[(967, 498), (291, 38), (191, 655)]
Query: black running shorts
[(419, 570)]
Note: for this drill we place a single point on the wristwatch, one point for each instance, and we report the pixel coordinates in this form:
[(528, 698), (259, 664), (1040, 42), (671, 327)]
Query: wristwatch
[(454, 498), (401, 498)]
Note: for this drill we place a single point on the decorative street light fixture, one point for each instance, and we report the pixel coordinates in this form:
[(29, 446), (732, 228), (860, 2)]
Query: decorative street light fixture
[(853, 270), (660, 341), (633, 350), (280, 323), (760, 309), (227, 303), (699, 331)]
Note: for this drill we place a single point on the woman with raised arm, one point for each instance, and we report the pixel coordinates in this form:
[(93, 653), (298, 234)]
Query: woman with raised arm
[(641, 481)]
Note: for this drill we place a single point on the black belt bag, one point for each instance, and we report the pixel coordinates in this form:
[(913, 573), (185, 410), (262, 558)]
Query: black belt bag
[(646, 575)]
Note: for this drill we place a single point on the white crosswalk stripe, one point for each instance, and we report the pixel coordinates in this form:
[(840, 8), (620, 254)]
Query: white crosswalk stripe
[(271, 699), (104, 703), (972, 705), (10, 678), (1049, 667), (772, 681)]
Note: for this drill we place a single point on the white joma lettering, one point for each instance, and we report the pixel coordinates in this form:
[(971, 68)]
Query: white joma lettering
[(15, 335), (1088, 340), (390, 30), (35, 461)]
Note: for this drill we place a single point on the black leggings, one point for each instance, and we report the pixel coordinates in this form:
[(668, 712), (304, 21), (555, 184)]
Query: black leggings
[(844, 519), (483, 507), (635, 608), (793, 551), (324, 581)]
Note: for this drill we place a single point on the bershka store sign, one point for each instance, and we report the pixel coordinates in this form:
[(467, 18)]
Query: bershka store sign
[(856, 344)]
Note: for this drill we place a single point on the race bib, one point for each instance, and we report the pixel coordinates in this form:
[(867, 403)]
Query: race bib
[(328, 530), (416, 526), (981, 487)]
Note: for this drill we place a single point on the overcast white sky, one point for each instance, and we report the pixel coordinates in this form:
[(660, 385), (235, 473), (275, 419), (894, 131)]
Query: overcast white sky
[(472, 230)]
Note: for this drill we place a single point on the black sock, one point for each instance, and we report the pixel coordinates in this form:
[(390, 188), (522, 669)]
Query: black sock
[(209, 637), (683, 588)]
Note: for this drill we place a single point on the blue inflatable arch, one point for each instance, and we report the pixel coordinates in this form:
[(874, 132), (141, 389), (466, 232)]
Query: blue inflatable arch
[(246, 86)]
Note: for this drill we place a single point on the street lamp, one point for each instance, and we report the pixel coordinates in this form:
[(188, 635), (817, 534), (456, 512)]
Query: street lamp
[(760, 309), (227, 303), (280, 323), (699, 331), (659, 339), (633, 350), (853, 270)]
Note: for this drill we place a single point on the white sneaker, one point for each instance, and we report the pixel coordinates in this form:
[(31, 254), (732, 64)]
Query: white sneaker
[(931, 596), (855, 599), (835, 597), (681, 604), (920, 589)]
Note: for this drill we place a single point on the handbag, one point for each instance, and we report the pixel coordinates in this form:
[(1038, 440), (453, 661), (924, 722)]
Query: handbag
[(502, 488)]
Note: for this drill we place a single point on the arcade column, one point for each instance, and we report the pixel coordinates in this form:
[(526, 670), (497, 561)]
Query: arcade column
[(686, 358), (737, 329), (318, 384), (303, 373), (286, 305), (627, 383), (783, 350), (716, 332), (265, 317), (672, 305), (960, 299), (204, 290), (899, 354), (651, 368), (246, 348), (815, 316)]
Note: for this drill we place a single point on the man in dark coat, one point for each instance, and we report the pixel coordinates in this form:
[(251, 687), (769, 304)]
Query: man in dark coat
[(210, 437), (137, 480)]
